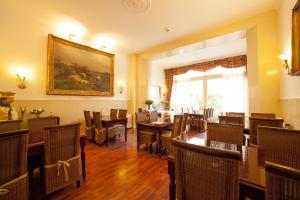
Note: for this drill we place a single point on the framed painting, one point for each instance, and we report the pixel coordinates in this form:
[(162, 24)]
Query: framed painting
[(75, 69)]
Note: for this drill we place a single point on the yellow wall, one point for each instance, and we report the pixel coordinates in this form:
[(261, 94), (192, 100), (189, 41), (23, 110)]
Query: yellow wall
[(24, 46), (290, 85), (263, 64)]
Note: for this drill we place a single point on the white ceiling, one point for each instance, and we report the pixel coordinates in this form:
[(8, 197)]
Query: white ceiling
[(220, 47), (129, 31)]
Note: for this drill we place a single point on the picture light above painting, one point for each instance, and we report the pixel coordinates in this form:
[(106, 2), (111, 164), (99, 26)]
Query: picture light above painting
[(76, 69)]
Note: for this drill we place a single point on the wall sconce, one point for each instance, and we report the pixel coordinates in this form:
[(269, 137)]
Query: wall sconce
[(121, 87), (71, 37), (21, 76), (284, 58), (21, 81)]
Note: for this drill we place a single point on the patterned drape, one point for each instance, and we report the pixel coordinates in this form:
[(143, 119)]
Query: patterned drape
[(231, 62)]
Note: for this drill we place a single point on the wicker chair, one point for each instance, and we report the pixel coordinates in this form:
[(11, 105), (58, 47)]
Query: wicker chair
[(89, 128), (10, 125), (13, 165), (279, 145), (231, 120), (282, 182), (100, 132), (153, 116), (167, 135), (263, 115), (228, 133), (205, 173), (235, 114), (36, 127), (114, 113), (62, 156), (145, 137), (255, 122), (122, 113)]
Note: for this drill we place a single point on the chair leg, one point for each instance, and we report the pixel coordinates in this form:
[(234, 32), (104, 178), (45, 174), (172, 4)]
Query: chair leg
[(78, 184), (151, 148), (30, 173)]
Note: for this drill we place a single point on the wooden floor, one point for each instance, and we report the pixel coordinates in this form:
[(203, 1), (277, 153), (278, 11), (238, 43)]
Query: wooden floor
[(116, 172)]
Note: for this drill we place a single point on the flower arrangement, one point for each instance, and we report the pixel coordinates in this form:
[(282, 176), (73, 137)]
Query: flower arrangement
[(149, 102), (37, 112)]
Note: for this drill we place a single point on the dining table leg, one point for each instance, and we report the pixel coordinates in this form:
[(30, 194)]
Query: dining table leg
[(125, 130), (172, 185), (107, 138), (158, 142), (82, 147), (138, 139)]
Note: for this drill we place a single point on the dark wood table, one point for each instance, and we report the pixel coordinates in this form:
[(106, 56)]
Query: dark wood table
[(155, 126), (108, 122), (36, 156), (252, 171)]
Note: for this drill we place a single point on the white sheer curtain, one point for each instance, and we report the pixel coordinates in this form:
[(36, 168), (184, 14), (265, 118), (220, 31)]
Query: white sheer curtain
[(222, 88), (186, 94)]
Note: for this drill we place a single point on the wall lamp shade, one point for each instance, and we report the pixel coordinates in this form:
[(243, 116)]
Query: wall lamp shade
[(121, 87)]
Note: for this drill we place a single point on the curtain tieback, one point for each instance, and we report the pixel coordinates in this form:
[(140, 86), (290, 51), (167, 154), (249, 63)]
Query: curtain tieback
[(4, 191)]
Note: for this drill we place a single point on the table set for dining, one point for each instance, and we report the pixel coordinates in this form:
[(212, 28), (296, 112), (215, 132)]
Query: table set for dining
[(251, 170)]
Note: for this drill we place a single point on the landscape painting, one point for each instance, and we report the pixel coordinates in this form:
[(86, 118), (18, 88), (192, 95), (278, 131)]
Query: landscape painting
[(75, 69)]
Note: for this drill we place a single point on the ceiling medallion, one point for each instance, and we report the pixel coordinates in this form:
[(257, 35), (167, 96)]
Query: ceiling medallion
[(137, 6)]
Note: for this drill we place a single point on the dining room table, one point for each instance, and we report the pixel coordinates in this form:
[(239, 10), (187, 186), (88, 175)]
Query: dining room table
[(35, 157), (158, 127), (251, 168)]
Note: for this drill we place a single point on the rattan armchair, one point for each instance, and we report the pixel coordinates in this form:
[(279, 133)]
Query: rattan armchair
[(235, 114), (36, 127), (153, 116), (114, 113), (100, 132), (205, 173), (231, 120), (282, 182), (62, 156), (145, 137), (167, 135), (228, 133), (255, 122), (89, 127), (279, 145), (10, 125), (263, 115), (36, 135), (13, 165)]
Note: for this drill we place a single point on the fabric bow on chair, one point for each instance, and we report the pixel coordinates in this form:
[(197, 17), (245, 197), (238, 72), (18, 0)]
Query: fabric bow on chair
[(65, 166)]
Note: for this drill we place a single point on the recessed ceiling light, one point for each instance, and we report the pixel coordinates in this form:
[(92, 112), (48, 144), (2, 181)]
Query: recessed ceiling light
[(137, 6), (167, 29)]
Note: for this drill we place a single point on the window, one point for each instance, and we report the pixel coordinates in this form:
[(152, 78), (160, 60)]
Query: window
[(221, 88)]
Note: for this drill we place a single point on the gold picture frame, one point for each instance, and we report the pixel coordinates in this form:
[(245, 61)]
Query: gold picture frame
[(296, 40), (76, 69)]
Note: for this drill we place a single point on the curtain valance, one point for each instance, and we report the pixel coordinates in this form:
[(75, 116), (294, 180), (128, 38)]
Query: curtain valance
[(230, 62)]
